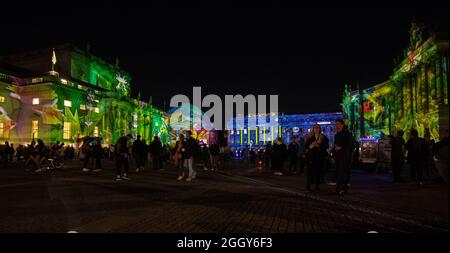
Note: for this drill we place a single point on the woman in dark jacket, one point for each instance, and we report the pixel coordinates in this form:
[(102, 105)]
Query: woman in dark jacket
[(317, 145)]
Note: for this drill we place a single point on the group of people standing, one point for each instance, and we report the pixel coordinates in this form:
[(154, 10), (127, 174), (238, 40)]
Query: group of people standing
[(312, 152), (187, 150), (126, 148), (421, 155)]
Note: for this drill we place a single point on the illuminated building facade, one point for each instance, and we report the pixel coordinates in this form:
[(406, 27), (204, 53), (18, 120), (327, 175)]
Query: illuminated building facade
[(284, 126), (82, 96), (415, 96)]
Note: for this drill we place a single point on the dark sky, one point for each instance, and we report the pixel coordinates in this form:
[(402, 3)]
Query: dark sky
[(304, 55)]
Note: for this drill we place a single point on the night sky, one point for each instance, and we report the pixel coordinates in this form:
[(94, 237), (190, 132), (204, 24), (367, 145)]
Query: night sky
[(306, 55)]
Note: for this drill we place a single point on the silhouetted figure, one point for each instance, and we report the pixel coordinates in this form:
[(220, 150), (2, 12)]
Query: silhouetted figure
[(293, 155), (343, 146), (122, 154), (156, 151), (279, 154), (417, 154), (139, 153), (398, 146)]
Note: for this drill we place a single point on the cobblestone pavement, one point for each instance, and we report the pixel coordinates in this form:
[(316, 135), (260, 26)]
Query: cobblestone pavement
[(238, 198)]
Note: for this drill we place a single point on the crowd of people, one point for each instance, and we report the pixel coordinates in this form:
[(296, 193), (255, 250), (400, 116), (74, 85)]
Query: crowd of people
[(310, 154), (422, 155)]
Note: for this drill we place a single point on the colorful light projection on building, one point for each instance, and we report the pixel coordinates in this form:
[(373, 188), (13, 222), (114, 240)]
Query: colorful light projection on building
[(415, 96), (185, 117), (284, 126)]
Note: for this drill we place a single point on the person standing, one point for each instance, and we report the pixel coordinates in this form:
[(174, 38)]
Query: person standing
[(122, 154), (417, 154), (188, 153), (215, 152), (441, 159), (11, 152), (268, 155), (342, 156), (301, 154), (206, 157), (97, 154), (398, 155), (39, 155), (178, 157), (279, 153), (156, 152), (138, 149), (86, 149), (317, 145), (293, 152)]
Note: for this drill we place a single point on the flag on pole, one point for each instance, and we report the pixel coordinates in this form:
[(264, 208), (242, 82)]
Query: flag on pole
[(54, 57)]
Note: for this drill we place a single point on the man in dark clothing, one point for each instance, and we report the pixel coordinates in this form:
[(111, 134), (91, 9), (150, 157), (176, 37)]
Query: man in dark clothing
[(97, 154), (268, 155), (86, 148), (301, 154), (11, 151), (122, 155), (279, 153), (188, 154), (417, 153), (214, 150), (342, 155), (397, 155), (156, 150), (292, 151), (138, 150)]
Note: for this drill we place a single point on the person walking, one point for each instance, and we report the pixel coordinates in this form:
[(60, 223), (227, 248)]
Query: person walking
[(417, 154), (342, 155), (293, 155), (279, 154), (317, 145), (188, 153), (398, 155), (122, 154)]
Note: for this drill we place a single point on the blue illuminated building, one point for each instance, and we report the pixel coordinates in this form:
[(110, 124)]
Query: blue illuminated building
[(285, 126)]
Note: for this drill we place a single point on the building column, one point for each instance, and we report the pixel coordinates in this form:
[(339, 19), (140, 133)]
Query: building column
[(414, 93), (401, 100), (444, 66), (425, 88)]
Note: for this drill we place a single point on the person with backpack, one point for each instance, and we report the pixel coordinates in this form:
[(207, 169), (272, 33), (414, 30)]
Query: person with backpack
[(417, 149)]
